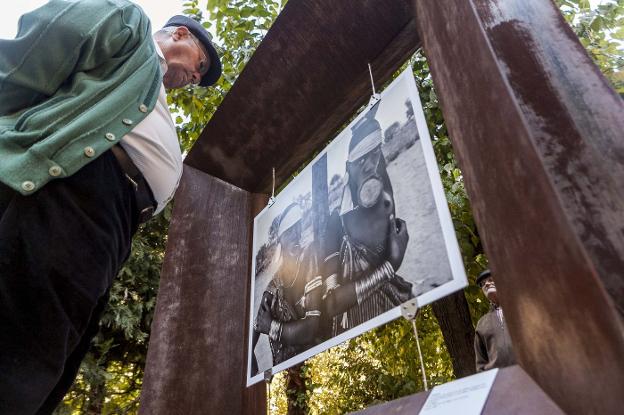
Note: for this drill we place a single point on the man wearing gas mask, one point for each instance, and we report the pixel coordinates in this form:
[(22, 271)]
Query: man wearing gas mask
[(364, 243), (289, 311)]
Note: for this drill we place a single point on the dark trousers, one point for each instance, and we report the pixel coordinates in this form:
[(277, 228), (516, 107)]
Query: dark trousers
[(60, 248)]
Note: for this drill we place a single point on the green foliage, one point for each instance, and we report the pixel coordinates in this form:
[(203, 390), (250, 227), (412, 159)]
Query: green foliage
[(601, 31), (239, 25), (378, 366)]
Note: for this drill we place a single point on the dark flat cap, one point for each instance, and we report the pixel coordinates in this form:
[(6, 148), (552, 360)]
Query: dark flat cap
[(200, 32), (483, 275)]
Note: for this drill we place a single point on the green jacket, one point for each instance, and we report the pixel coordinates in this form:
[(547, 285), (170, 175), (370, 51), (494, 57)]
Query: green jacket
[(78, 76)]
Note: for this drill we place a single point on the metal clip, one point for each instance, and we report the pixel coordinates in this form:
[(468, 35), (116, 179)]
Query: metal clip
[(409, 309), (375, 98), (272, 198)]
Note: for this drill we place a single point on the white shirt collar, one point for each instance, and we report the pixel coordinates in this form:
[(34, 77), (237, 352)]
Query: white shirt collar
[(161, 58)]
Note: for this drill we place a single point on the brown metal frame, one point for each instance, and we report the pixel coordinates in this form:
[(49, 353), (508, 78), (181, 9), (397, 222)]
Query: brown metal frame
[(309, 74), (310, 59), (537, 132)]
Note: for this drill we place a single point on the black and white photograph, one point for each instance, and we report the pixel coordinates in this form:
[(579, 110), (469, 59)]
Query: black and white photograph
[(362, 229)]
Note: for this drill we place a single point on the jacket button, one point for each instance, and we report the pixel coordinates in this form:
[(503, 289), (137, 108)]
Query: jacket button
[(28, 186), (143, 108), (89, 151), (110, 136), (55, 171), (127, 121)]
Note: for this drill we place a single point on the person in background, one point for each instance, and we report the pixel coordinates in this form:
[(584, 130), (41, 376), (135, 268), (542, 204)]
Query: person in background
[(492, 343)]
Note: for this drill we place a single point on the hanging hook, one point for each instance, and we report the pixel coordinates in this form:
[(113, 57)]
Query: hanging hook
[(375, 98), (370, 71), (272, 198)]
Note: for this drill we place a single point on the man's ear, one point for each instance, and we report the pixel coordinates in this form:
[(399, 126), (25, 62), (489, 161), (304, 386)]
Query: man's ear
[(180, 33)]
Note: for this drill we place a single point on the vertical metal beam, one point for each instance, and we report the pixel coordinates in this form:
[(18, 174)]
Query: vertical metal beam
[(196, 359), (538, 134)]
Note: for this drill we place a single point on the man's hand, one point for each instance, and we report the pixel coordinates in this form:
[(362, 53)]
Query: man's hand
[(263, 319), (397, 242)]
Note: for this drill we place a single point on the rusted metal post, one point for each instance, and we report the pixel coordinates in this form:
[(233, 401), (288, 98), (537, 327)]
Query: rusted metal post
[(196, 361), (538, 133)]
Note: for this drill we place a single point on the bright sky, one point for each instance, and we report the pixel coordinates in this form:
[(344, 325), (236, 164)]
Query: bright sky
[(159, 11)]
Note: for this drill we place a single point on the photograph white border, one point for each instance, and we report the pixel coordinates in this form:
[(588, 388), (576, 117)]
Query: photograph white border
[(458, 282)]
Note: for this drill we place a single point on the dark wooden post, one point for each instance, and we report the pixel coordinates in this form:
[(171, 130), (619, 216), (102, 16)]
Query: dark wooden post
[(453, 316), (196, 361), (538, 133)]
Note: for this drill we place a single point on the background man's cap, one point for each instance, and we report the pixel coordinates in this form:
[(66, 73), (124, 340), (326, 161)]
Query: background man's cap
[(214, 71), (483, 275)]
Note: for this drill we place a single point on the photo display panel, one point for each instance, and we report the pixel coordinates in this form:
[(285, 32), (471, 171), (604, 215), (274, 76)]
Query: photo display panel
[(362, 229)]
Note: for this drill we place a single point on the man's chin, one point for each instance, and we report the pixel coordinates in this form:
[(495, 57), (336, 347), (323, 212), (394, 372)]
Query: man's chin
[(170, 83), (169, 86)]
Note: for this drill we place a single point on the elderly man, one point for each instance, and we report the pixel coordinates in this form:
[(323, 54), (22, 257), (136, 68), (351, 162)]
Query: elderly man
[(89, 151), (365, 242), (290, 309), (492, 342)]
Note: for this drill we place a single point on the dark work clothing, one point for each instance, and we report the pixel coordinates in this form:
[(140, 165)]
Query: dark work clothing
[(492, 343), (60, 248)]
